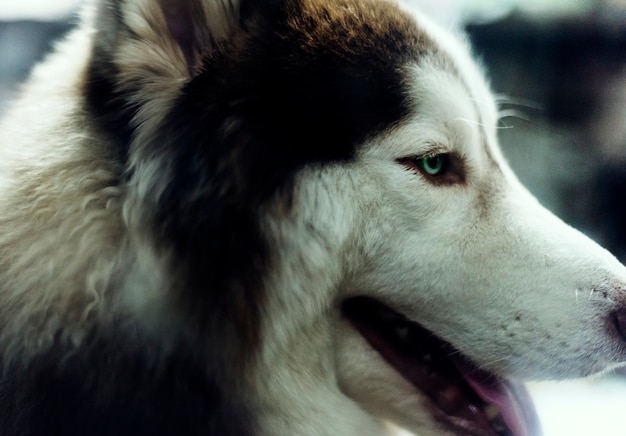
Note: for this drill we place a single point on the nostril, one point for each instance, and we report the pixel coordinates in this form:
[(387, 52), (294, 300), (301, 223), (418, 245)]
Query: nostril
[(619, 318)]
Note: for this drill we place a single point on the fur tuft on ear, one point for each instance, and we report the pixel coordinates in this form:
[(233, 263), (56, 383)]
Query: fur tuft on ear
[(197, 27), (146, 50), (171, 34)]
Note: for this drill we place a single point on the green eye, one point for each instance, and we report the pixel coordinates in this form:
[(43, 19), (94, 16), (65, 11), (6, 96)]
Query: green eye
[(433, 164)]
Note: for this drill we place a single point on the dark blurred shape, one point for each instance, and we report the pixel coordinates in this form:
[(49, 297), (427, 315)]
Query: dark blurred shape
[(573, 73), (560, 63), (610, 207)]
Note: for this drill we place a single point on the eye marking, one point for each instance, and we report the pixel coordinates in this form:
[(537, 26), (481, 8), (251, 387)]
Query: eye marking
[(438, 168)]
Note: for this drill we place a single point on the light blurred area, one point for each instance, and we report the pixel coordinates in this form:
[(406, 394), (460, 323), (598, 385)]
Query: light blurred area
[(560, 69), (27, 30), (589, 407), (44, 10)]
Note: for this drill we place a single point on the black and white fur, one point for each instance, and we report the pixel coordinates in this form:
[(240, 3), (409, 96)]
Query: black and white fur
[(191, 191)]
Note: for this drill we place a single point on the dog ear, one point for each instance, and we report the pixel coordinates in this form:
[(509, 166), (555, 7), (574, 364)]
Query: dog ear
[(168, 37), (144, 51), (195, 27)]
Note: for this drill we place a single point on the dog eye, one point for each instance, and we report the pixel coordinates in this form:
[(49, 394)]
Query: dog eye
[(432, 165), (438, 168)]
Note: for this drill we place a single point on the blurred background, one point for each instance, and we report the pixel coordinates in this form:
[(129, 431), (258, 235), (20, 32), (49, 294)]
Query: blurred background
[(559, 67)]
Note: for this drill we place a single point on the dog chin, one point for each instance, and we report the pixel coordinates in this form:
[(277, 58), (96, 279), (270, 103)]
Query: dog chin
[(424, 384)]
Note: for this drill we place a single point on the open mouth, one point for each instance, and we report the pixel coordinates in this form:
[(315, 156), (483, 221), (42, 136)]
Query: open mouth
[(471, 400)]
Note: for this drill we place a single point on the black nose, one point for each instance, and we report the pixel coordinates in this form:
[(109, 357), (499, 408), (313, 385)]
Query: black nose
[(619, 318)]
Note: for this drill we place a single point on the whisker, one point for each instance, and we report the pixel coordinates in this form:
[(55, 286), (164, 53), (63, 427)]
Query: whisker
[(476, 123), (503, 99), (513, 113), (509, 107)]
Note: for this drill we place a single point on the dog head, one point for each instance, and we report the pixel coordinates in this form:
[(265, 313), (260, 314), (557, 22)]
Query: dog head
[(325, 180)]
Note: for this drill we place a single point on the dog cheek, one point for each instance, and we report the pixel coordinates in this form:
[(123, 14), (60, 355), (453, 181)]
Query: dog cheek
[(379, 389)]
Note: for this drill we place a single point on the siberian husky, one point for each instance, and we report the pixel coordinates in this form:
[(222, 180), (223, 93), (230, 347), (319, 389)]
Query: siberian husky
[(279, 217)]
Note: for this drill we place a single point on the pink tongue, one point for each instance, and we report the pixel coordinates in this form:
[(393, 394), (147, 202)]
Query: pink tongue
[(513, 402)]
